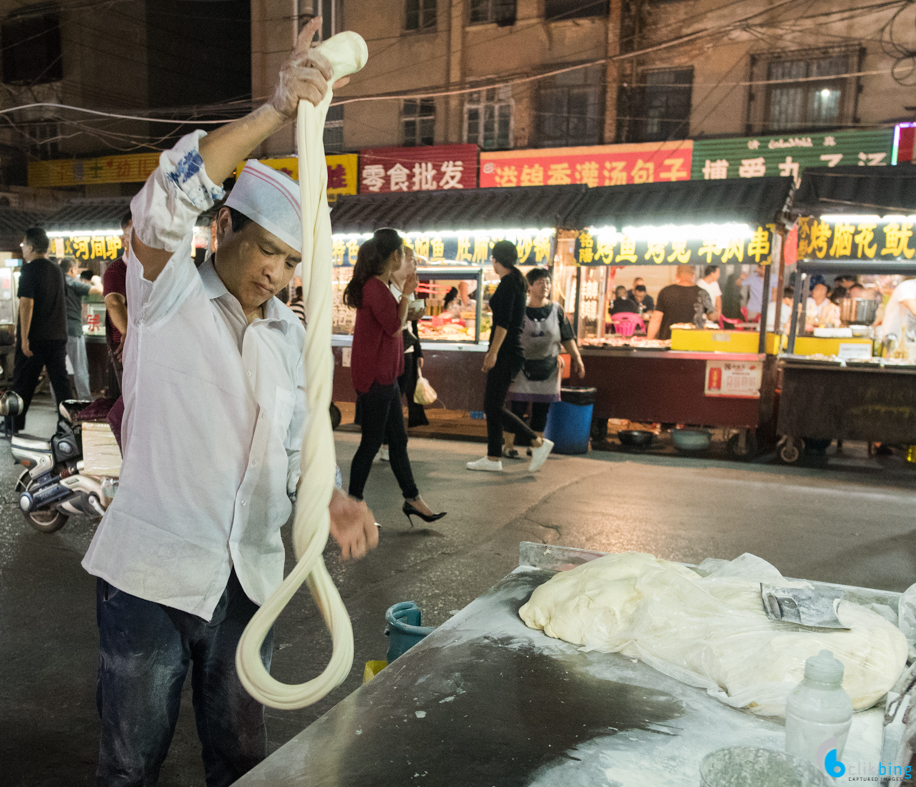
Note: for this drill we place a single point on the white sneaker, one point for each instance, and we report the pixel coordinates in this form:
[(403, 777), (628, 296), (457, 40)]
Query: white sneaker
[(485, 464), (383, 454), (539, 455)]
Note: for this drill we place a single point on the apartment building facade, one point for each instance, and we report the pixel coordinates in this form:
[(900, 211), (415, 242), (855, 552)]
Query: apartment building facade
[(507, 74)]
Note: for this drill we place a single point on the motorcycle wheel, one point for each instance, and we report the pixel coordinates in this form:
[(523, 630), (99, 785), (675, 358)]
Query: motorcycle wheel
[(49, 521)]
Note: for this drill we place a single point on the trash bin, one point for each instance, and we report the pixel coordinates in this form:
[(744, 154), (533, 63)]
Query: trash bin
[(569, 422), (404, 629)]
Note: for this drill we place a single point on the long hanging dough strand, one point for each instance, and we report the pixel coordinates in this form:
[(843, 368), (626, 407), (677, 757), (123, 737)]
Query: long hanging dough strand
[(347, 53)]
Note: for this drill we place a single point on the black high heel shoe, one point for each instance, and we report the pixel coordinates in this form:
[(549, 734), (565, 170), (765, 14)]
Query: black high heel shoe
[(409, 510)]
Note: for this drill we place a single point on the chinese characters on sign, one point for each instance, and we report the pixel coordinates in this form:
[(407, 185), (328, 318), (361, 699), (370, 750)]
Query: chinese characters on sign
[(341, 172), (618, 249), (735, 379), (757, 157), (84, 248), (132, 168), (605, 165), (861, 241), (471, 248), (431, 168)]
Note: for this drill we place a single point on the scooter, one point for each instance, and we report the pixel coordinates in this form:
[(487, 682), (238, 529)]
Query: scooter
[(52, 486)]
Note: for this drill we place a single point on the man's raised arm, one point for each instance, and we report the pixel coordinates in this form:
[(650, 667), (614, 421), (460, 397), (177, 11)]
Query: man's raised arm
[(304, 76)]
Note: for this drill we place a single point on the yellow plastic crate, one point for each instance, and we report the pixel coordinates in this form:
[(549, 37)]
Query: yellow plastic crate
[(716, 341)]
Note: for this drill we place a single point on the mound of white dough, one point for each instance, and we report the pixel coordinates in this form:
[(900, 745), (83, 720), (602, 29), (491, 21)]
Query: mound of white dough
[(712, 631)]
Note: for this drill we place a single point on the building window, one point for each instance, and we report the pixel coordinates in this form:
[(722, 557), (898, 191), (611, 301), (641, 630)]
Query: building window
[(418, 121), (328, 10), (421, 15), (570, 108), (500, 11), (488, 118), (31, 45), (665, 104), (817, 102), (42, 139), (574, 9), (333, 130)]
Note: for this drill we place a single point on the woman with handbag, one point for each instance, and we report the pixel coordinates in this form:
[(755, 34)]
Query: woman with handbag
[(376, 363), (546, 331), (503, 362)]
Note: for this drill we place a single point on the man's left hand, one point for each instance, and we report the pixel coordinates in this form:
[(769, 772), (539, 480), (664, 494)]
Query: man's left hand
[(353, 526), (26, 351)]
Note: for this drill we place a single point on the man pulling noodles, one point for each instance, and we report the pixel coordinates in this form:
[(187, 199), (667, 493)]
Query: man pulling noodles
[(213, 424)]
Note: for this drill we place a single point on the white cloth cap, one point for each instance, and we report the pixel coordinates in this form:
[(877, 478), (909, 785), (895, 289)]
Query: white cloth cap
[(269, 198)]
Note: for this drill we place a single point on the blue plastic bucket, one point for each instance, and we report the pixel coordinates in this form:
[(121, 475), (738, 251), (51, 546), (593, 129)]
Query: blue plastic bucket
[(404, 629), (569, 422)]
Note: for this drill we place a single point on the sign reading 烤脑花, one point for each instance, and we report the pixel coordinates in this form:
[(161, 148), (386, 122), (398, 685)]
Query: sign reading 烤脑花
[(856, 238), (788, 155), (609, 247), (535, 247)]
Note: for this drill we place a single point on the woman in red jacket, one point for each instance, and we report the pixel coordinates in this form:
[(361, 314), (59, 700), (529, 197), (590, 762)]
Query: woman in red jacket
[(377, 362)]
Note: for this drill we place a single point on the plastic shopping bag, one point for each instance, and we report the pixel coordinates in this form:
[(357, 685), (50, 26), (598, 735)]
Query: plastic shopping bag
[(425, 393)]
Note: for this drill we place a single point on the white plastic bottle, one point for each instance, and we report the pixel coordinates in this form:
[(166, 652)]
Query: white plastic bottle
[(818, 709)]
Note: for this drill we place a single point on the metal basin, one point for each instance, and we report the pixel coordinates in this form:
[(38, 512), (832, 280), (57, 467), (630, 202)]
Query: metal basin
[(858, 311), (636, 438), (691, 439)]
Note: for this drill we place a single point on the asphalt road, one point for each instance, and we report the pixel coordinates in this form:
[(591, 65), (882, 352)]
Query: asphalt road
[(850, 523)]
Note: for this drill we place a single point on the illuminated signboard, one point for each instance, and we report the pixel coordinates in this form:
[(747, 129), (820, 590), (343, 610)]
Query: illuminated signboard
[(856, 237), (734, 244), (788, 155), (425, 168), (341, 172), (601, 165), (131, 168), (84, 248), (535, 247)]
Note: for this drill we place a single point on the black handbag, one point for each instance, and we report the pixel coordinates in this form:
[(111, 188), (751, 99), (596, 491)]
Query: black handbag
[(540, 369)]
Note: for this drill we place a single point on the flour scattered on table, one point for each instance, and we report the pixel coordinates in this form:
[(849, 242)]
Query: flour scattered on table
[(421, 714)]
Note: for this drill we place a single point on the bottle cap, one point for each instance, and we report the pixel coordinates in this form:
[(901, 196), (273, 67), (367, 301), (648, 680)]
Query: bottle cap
[(824, 668)]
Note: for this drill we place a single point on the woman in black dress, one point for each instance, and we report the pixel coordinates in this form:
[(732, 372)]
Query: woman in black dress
[(504, 360)]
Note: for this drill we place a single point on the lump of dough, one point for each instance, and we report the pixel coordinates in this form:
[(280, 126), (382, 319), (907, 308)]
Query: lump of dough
[(711, 631)]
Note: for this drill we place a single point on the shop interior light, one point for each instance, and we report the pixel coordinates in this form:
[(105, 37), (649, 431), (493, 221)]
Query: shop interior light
[(80, 233), (667, 233)]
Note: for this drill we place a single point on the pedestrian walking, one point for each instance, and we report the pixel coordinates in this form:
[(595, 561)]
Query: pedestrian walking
[(115, 284), (504, 360), (77, 289), (377, 362), (41, 335)]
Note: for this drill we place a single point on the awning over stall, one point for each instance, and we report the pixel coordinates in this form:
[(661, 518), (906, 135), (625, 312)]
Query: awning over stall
[(477, 209), (757, 201), (880, 190)]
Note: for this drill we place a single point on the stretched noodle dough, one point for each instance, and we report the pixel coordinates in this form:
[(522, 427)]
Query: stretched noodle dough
[(711, 631)]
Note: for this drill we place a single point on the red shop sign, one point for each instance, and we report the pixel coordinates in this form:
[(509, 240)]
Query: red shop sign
[(427, 168), (601, 165)]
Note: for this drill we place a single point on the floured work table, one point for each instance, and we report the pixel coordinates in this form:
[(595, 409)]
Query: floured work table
[(485, 701)]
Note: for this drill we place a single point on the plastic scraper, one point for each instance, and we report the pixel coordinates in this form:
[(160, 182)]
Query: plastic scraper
[(805, 606)]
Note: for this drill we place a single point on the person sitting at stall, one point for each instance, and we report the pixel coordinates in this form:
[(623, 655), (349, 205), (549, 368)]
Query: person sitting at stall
[(449, 302), (710, 283), (623, 304), (785, 311), (545, 333), (732, 295), (842, 285), (644, 303), (820, 312), (681, 302)]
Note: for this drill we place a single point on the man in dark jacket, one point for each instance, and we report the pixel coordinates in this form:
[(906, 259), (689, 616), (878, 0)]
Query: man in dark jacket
[(41, 338)]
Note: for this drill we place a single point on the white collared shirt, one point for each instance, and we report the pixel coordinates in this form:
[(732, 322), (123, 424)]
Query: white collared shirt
[(213, 420)]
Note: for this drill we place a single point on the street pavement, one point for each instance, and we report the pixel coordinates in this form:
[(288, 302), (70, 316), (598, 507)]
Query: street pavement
[(851, 523)]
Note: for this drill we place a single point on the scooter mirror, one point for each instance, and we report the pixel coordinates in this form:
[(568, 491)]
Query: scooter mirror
[(10, 404)]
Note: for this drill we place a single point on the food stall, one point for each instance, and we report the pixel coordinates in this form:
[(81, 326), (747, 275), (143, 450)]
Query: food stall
[(484, 700), (454, 231), (709, 378), (860, 224)]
